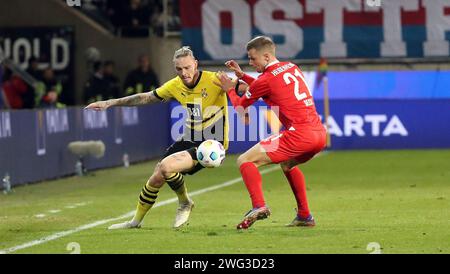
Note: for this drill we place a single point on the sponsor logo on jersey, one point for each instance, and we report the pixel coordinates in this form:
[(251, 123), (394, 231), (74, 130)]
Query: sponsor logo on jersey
[(204, 93)]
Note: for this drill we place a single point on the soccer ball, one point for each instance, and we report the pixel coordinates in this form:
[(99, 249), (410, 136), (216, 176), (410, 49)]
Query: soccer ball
[(210, 153)]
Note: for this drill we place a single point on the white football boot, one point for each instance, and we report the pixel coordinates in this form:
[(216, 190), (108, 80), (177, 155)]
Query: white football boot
[(183, 212)]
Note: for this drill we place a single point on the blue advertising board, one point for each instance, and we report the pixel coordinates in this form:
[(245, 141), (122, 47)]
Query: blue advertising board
[(368, 110), (34, 143)]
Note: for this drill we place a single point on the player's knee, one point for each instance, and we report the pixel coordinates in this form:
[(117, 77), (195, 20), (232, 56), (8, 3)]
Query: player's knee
[(244, 159), (157, 179), (240, 160), (157, 171), (166, 169)]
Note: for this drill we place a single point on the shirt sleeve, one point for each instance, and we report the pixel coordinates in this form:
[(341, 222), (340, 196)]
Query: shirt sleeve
[(256, 90), (248, 79), (164, 93)]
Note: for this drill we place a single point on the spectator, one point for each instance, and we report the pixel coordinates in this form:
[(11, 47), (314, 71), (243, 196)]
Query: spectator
[(13, 88), (52, 90), (141, 79), (136, 14), (173, 20), (103, 84), (96, 86), (111, 79), (3, 101), (158, 22), (115, 11), (33, 69)]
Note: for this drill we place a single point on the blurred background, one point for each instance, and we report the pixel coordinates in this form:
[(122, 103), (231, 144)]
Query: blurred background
[(379, 71)]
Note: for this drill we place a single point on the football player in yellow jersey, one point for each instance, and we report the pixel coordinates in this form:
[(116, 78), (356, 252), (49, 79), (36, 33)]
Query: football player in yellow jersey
[(206, 105)]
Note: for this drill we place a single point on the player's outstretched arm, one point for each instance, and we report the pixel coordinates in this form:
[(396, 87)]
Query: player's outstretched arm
[(132, 100)]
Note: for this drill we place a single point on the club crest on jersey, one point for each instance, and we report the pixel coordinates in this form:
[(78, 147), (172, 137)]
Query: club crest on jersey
[(204, 93)]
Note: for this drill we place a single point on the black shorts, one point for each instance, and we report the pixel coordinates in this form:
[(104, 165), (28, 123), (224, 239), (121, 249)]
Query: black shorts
[(185, 143), (191, 148)]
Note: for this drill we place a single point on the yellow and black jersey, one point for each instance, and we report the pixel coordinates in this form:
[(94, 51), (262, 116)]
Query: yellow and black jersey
[(205, 103)]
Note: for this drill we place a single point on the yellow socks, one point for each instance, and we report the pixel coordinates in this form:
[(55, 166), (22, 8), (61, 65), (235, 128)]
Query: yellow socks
[(146, 200), (176, 183)]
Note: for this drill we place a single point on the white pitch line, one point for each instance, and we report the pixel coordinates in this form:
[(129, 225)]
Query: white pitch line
[(127, 215)]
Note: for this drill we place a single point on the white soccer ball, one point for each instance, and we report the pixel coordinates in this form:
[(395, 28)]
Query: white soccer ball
[(210, 153)]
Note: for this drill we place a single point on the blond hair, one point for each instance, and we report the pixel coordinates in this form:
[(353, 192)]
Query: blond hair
[(261, 42), (183, 52)]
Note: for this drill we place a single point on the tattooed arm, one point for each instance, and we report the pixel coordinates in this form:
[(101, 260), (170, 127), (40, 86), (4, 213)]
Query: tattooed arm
[(132, 100)]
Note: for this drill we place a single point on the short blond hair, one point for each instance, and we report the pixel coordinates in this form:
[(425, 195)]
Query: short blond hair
[(261, 42), (183, 52)]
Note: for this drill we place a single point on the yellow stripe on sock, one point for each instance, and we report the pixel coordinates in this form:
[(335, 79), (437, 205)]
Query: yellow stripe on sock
[(145, 199), (174, 177), (151, 188), (149, 195), (149, 191)]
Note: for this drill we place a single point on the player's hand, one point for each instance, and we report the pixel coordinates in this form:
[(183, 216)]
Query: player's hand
[(99, 105), (234, 66), (226, 83)]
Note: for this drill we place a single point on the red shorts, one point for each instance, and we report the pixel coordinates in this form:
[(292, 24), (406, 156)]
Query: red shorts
[(300, 145)]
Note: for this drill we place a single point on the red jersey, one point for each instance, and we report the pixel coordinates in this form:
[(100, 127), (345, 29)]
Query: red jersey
[(283, 85)]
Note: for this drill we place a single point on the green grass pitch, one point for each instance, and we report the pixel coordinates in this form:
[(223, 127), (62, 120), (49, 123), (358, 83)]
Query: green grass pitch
[(397, 199)]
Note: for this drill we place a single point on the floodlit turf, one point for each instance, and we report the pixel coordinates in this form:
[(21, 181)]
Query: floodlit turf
[(398, 199)]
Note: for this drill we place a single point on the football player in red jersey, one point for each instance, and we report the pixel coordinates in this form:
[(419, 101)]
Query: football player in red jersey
[(283, 87)]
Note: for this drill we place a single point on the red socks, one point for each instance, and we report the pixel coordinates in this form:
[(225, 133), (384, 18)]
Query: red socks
[(253, 182), (297, 182)]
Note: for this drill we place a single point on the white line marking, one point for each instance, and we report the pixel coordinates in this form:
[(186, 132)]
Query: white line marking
[(130, 214), (54, 211), (124, 216), (82, 204), (77, 205)]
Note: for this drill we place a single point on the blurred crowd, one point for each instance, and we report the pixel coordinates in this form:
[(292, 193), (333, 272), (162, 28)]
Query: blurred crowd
[(103, 84), (129, 18), (19, 94), (136, 17), (47, 91)]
